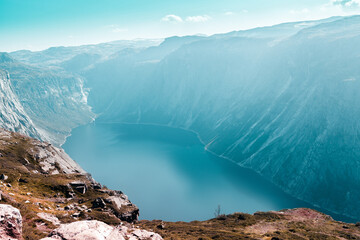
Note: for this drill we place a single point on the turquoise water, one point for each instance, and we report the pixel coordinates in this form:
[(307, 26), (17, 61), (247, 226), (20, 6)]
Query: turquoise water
[(167, 173)]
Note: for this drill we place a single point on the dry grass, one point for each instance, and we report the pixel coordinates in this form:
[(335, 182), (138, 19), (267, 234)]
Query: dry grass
[(263, 225)]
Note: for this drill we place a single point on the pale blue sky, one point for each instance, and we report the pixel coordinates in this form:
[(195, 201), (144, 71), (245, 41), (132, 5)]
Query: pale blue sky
[(39, 24)]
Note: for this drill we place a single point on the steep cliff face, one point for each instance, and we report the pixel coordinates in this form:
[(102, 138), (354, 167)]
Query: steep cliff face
[(12, 114), (56, 101), (287, 109), (50, 91)]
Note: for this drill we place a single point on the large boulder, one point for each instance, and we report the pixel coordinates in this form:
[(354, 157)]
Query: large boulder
[(10, 223), (121, 206), (96, 230)]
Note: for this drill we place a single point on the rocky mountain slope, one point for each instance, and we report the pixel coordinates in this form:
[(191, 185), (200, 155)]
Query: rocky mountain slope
[(49, 188)]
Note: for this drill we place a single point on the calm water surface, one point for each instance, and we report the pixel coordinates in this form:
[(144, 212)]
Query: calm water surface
[(167, 173)]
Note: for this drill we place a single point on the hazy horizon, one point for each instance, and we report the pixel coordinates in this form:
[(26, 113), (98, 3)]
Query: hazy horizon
[(163, 38), (45, 24)]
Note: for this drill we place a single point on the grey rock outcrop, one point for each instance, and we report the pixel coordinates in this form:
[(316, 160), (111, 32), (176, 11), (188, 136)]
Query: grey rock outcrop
[(49, 159), (118, 201), (96, 230), (11, 228)]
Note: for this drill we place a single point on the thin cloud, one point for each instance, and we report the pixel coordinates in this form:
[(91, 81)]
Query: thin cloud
[(197, 19), (172, 18), (229, 13), (119, 30), (114, 28), (346, 3)]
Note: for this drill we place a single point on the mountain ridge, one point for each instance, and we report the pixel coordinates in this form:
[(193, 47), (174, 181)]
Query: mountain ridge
[(280, 109)]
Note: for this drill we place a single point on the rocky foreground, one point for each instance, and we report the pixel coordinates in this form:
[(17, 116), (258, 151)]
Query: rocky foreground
[(46, 195), (48, 189), (11, 229)]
